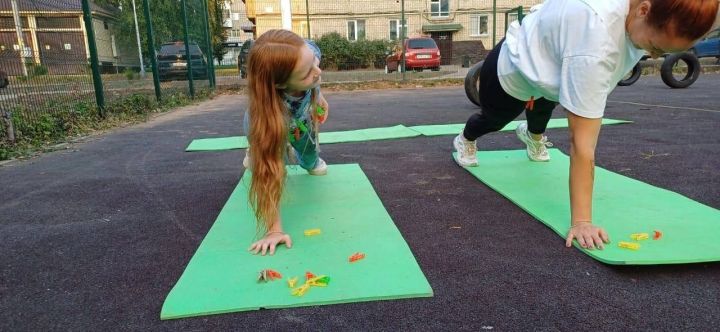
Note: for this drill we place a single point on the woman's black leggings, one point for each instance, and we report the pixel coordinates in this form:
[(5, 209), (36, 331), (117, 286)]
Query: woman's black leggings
[(499, 108)]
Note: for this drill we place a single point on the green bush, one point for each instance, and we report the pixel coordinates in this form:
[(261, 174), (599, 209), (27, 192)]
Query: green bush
[(37, 70), (130, 74), (60, 120), (338, 53)]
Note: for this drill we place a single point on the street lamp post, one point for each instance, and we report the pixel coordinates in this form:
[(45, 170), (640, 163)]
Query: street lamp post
[(137, 36)]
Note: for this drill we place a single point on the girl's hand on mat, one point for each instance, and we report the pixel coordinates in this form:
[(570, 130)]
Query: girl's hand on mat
[(324, 104), (588, 236), (270, 242)]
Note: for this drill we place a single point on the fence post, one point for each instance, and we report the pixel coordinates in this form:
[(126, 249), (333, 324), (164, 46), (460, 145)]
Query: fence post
[(97, 80), (151, 49), (188, 55), (208, 37), (9, 129), (402, 37), (494, 23), (307, 18), (18, 32)]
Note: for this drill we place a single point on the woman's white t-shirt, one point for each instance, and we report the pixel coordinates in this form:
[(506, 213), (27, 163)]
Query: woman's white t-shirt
[(569, 51)]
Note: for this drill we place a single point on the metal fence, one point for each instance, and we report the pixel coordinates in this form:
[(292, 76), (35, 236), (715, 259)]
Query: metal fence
[(362, 40), (63, 55)]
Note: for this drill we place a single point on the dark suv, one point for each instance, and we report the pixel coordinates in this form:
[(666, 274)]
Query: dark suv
[(172, 62), (243, 57)]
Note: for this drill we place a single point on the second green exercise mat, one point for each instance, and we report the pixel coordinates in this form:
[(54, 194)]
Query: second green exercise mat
[(623, 206)]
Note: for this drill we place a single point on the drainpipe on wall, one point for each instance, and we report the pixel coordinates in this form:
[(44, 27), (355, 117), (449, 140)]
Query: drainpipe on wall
[(286, 12)]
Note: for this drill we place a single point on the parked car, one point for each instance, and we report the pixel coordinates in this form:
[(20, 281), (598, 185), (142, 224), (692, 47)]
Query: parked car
[(172, 62), (708, 46), (420, 53), (243, 56)]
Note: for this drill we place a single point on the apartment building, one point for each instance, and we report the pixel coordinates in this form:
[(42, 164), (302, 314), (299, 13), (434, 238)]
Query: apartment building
[(460, 27)]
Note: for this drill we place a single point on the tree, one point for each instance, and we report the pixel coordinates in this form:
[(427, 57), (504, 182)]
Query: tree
[(167, 23), (218, 32)]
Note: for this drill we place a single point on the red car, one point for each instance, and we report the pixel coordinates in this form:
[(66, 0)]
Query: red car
[(420, 53)]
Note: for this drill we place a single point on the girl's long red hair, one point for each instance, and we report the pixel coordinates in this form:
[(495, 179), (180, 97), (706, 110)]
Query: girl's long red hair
[(271, 61)]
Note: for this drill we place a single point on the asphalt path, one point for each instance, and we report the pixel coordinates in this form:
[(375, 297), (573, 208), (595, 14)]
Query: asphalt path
[(93, 237)]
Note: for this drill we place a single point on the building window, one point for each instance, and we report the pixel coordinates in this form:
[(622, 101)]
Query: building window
[(512, 17), (356, 30), (395, 29), (439, 8), (478, 25), (105, 25)]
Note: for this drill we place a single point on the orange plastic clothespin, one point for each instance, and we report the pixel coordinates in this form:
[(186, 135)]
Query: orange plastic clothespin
[(657, 235), (530, 105), (356, 257)]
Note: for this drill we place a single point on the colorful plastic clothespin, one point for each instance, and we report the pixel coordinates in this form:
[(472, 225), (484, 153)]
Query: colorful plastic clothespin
[(300, 291), (292, 282), (268, 275), (302, 126), (320, 111), (296, 133), (530, 105), (657, 235), (639, 236), (629, 245), (356, 257), (309, 275), (321, 281), (311, 232)]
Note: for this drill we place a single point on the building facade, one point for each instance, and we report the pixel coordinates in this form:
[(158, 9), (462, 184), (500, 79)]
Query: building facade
[(54, 36), (460, 27)]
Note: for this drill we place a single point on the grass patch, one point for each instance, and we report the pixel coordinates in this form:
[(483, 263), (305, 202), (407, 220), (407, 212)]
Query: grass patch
[(79, 118)]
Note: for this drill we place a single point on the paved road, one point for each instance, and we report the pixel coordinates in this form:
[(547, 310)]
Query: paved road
[(94, 237)]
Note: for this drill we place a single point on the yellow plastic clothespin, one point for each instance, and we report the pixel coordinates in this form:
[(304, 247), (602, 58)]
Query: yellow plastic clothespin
[(292, 282), (300, 291), (639, 236), (311, 232), (629, 245)]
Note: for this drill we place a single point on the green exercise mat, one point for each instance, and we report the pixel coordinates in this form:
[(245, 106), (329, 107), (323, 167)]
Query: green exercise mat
[(222, 275), (454, 129), (622, 206), (218, 144), (359, 135)]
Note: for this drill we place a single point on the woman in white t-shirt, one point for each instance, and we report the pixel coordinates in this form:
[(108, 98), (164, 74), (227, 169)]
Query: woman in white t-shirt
[(573, 53)]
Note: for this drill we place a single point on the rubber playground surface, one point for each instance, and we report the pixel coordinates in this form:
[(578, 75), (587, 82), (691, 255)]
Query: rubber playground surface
[(94, 237)]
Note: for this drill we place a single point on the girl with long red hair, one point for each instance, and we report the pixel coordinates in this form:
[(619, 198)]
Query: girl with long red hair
[(283, 120)]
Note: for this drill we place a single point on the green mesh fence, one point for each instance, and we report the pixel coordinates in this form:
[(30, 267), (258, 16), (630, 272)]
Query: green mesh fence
[(43, 58), (162, 48)]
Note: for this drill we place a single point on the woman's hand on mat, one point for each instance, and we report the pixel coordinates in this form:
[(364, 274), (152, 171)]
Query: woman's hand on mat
[(588, 236), (270, 242)]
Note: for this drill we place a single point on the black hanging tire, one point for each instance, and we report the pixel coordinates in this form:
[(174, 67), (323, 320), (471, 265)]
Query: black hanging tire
[(472, 83), (634, 76), (666, 71)]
